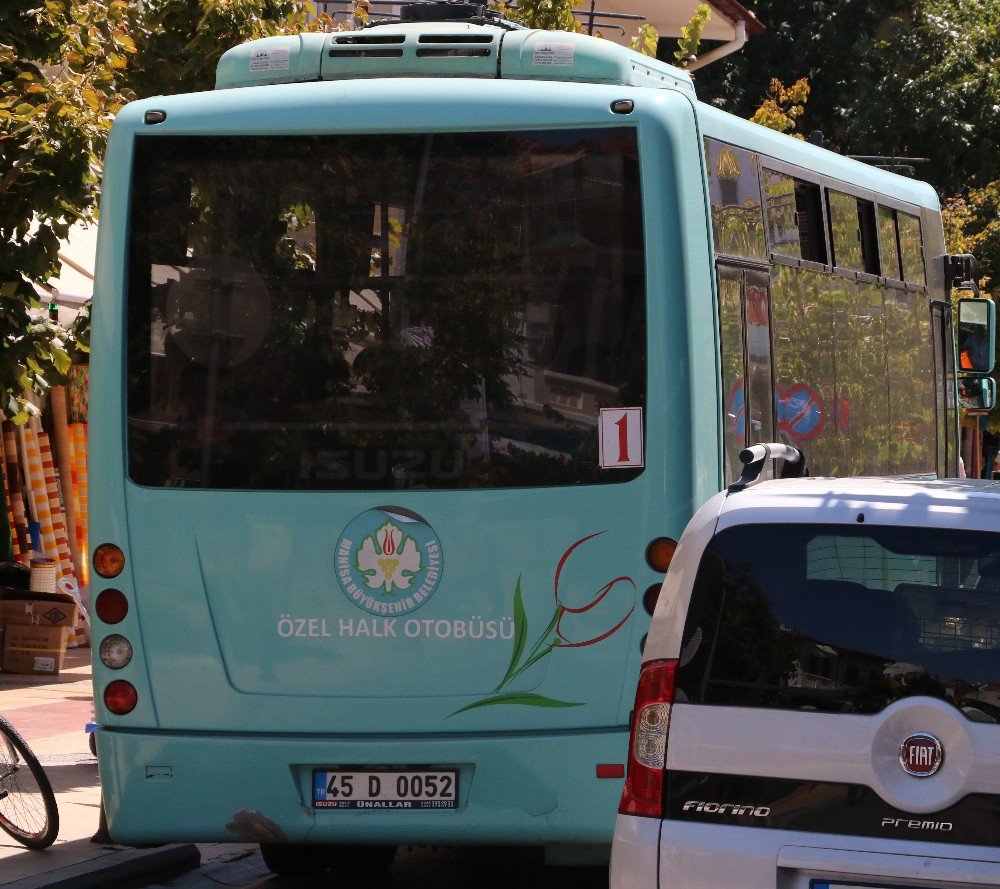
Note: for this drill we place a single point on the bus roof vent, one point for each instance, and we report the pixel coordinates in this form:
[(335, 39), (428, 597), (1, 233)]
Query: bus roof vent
[(452, 46)]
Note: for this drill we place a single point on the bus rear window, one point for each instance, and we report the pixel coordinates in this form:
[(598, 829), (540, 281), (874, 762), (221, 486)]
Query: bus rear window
[(383, 312), (845, 620)]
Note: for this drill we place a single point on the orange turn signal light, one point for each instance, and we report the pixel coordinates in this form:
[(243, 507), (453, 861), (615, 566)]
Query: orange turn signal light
[(660, 552), (109, 560)]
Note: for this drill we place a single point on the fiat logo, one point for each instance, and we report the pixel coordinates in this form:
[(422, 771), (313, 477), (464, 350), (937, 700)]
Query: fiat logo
[(920, 754)]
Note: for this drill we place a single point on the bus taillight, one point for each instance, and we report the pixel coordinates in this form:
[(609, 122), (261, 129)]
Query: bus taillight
[(120, 697), (115, 651), (647, 753), (660, 552), (111, 606), (109, 560)]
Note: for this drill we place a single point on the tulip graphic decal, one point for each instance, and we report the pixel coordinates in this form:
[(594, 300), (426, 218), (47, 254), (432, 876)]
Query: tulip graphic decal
[(393, 562), (552, 637)]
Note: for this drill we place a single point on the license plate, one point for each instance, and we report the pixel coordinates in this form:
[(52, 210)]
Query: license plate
[(360, 789)]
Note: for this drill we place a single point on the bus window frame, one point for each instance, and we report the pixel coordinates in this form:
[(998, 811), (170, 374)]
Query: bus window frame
[(898, 207), (877, 198), (860, 196), (783, 168)]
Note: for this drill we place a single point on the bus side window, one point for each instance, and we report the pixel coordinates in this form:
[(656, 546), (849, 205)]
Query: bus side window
[(852, 232), (889, 244), (809, 214), (911, 248), (795, 226), (734, 193), (781, 216)]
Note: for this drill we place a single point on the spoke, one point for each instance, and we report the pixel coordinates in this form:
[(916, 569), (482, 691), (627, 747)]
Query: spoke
[(22, 805)]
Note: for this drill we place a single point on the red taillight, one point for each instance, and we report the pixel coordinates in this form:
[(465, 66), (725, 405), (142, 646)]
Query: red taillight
[(120, 697), (111, 606), (647, 752)]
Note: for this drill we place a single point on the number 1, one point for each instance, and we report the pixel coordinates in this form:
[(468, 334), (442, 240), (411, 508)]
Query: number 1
[(622, 425)]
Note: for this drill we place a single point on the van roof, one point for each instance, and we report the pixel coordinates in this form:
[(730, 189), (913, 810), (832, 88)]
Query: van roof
[(972, 504)]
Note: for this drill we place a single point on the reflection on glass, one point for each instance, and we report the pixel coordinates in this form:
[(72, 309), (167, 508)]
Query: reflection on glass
[(910, 248), (731, 325), (973, 335), (888, 246), (734, 190), (757, 313), (862, 404), (910, 445), (847, 620), (782, 220), (803, 364), (847, 253), (853, 369), (353, 312)]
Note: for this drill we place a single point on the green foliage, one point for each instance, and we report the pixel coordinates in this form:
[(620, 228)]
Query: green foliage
[(783, 106), (66, 68), (645, 41), (546, 15), (61, 69), (690, 39), (938, 93), (915, 78), (972, 225), (182, 40)]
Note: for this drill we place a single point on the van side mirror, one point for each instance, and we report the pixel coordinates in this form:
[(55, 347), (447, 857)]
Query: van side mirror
[(976, 334), (977, 393)]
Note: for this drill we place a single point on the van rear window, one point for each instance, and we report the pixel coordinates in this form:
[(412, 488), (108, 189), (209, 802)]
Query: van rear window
[(845, 620)]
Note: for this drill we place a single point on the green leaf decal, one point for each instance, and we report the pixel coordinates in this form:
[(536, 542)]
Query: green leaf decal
[(520, 634), (526, 699)]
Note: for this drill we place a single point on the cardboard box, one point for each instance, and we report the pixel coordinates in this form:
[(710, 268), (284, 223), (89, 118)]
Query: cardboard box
[(37, 609), (34, 649)]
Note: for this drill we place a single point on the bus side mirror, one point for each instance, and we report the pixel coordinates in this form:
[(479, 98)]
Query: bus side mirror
[(976, 334), (977, 393)]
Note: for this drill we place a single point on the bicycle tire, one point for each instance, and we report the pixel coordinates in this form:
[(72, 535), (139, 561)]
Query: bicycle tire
[(28, 810)]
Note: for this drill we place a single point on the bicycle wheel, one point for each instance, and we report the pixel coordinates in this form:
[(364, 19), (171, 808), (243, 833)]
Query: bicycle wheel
[(28, 809)]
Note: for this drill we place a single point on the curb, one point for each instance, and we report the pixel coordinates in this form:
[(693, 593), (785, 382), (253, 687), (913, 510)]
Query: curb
[(115, 868)]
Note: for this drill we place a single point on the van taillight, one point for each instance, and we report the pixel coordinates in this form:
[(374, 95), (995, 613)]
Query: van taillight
[(647, 754)]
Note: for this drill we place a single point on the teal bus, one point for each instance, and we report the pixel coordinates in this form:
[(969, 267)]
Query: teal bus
[(414, 349)]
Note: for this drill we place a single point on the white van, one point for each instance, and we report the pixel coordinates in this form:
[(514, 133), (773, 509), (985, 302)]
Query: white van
[(819, 702)]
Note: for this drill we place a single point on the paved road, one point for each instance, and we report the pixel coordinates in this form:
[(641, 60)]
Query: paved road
[(416, 868)]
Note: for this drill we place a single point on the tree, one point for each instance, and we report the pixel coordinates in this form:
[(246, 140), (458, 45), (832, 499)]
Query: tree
[(902, 78), (182, 40), (690, 39), (783, 106), (546, 15), (66, 68), (60, 86)]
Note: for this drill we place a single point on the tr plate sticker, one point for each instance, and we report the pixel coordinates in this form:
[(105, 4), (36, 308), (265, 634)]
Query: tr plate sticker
[(389, 561), (271, 58), (552, 53)]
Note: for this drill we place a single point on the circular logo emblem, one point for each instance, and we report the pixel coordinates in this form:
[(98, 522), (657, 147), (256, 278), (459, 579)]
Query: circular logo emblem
[(388, 561), (920, 754)]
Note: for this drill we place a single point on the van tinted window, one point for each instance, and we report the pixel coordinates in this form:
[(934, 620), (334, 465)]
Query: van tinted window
[(844, 619)]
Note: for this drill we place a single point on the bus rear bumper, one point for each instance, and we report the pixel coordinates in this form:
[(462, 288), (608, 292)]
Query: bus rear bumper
[(533, 790)]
